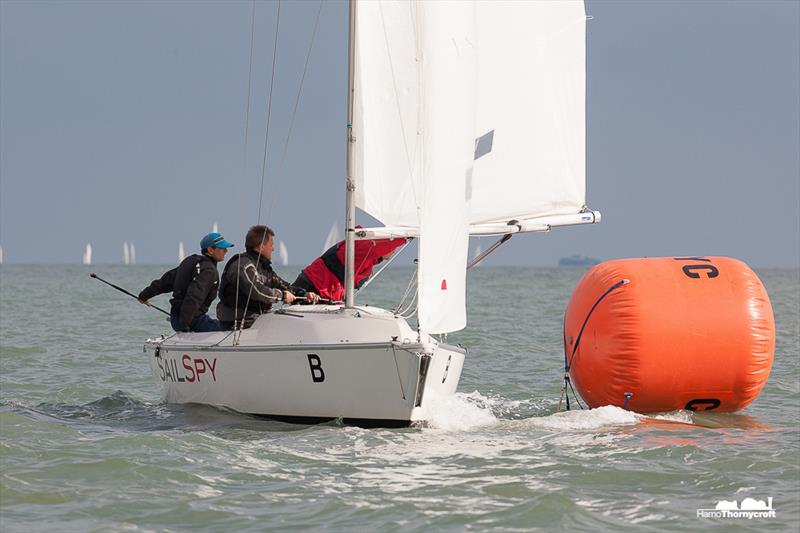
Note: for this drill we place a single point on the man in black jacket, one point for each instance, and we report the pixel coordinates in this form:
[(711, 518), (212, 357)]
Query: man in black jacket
[(194, 286), (249, 286)]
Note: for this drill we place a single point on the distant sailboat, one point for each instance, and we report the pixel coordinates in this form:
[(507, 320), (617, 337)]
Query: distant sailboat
[(87, 255), (181, 252), (477, 252), (133, 254), (215, 228), (126, 254), (333, 237), (283, 254), (1, 255)]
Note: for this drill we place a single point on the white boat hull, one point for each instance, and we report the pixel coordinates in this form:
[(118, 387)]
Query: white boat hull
[(311, 363)]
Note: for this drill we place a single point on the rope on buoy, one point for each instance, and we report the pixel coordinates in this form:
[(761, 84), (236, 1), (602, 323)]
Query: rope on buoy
[(569, 361)]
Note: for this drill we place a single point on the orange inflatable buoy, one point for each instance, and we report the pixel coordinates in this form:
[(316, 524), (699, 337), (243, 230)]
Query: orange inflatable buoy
[(666, 333)]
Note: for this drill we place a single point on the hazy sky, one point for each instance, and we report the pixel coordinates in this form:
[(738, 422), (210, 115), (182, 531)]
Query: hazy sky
[(126, 121)]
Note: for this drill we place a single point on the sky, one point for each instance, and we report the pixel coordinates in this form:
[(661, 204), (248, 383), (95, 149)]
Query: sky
[(126, 120)]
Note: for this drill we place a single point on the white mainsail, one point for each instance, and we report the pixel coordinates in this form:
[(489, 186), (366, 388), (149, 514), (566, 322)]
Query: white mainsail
[(332, 238), (126, 254), (181, 252), (215, 228), (466, 113), (529, 129), (530, 124), (1, 255), (87, 255)]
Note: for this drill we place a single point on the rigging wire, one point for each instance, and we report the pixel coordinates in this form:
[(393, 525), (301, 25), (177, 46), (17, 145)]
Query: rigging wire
[(400, 310), (264, 160), (246, 142), (389, 262), (291, 126), (296, 104), (269, 109)]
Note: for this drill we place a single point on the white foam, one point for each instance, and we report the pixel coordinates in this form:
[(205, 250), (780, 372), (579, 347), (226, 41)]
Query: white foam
[(601, 417), (458, 412), (684, 417)]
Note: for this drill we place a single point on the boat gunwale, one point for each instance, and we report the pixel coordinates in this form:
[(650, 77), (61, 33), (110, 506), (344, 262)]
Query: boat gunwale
[(216, 347)]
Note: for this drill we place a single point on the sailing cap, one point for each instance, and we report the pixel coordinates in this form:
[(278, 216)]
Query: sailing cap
[(214, 240)]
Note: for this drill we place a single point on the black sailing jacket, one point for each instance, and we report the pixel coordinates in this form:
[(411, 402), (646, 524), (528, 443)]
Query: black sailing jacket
[(193, 284), (259, 287)]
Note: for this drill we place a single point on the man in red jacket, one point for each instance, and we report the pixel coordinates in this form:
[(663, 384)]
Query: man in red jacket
[(325, 276)]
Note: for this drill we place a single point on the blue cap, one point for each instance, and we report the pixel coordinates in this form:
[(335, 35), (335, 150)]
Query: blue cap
[(214, 240)]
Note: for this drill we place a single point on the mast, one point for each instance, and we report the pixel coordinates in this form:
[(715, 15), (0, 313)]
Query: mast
[(350, 206)]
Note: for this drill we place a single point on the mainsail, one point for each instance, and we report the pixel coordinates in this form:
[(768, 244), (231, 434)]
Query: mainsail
[(530, 122), (466, 113)]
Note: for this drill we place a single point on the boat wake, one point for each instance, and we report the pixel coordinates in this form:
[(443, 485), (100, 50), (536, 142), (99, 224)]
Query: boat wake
[(459, 412), (463, 412)]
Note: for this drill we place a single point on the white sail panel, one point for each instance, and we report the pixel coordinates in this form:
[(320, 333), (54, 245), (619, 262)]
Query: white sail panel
[(414, 128), (509, 77), (447, 36), (387, 152), (530, 156), (333, 237)]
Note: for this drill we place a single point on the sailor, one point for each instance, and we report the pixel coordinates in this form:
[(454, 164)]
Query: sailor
[(194, 286), (325, 275), (250, 286)]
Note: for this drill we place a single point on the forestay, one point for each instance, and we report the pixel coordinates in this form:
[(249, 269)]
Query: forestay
[(466, 113)]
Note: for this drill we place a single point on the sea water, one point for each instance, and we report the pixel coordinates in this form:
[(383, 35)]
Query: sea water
[(86, 445)]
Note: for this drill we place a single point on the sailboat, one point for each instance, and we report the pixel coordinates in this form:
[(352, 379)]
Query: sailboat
[(332, 238), (181, 252), (477, 252), (283, 254), (1, 255), (132, 250), (126, 254), (87, 255), (449, 135)]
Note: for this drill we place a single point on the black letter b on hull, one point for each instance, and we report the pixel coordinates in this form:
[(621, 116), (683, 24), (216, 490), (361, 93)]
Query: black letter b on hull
[(317, 374)]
